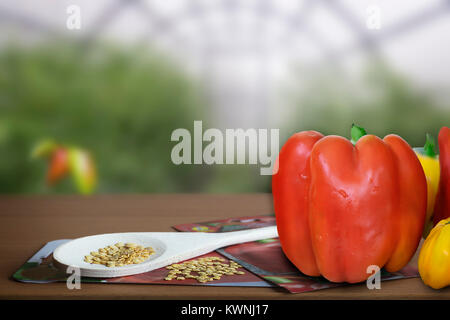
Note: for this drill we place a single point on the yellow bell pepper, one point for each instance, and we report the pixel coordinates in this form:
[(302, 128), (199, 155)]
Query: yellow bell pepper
[(430, 164), (434, 257)]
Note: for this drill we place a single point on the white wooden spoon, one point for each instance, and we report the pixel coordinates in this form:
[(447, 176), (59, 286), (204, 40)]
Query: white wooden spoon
[(170, 247)]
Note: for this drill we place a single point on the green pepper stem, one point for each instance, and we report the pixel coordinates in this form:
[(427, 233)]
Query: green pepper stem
[(429, 148), (356, 133)]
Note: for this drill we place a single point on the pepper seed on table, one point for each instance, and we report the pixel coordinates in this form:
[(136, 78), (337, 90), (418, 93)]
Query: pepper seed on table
[(207, 269)]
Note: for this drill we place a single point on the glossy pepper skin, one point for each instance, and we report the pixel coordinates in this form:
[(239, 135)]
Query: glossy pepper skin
[(430, 164), (442, 207), (65, 160), (342, 207), (434, 257)]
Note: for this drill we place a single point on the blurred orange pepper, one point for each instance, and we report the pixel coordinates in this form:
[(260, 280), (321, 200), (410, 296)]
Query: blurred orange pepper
[(65, 160), (430, 163), (59, 165)]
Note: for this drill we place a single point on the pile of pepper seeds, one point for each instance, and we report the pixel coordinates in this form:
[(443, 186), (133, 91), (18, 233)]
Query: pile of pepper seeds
[(203, 269), (119, 254)]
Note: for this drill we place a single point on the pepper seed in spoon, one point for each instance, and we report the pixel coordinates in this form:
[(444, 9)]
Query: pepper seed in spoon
[(119, 254)]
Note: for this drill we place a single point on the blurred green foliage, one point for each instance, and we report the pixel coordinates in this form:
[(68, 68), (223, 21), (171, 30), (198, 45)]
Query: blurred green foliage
[(380, 99), (121, 105)]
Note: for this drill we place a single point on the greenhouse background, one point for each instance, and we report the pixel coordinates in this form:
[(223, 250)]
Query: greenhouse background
[(133, 71)]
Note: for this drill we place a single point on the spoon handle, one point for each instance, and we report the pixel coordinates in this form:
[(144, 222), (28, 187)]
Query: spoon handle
[(234, 237)]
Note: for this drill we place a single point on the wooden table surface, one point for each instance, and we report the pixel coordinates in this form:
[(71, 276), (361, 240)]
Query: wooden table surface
[(28, 222)]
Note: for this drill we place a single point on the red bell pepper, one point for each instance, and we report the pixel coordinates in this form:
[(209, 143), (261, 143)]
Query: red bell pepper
[(341, 207), (442, 207)]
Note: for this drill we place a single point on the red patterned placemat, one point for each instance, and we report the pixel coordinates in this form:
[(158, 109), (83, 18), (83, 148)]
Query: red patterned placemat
[(266, 259)]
